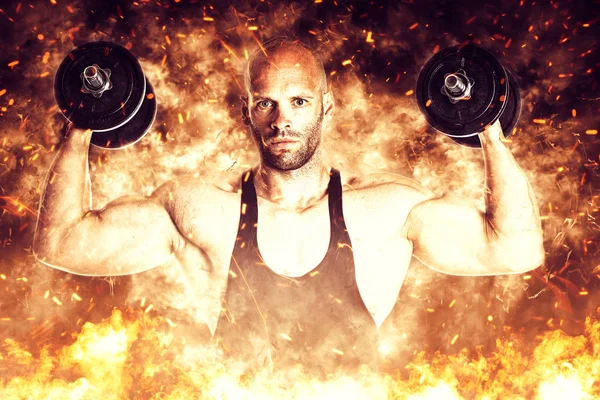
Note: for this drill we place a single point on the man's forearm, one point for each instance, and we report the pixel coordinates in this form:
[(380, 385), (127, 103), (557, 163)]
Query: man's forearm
[(511, 207), (66, 189)]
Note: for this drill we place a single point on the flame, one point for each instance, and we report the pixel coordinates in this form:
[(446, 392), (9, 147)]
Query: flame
[(103, 361)]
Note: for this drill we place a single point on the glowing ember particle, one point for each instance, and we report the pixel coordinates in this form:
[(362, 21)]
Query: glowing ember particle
[(286, 337), (2, 92), (409, 92), (428, 103), (13, 63), (212, 100), (164, 60), (53, 1), (336, 351), (574, 113), (5, 319), (560, 169), (318, 1), (28, 147), (233, 274), (526, 277), (454, 339), (583, 293), (346, 62), (591, 132), (253, 28), (413, 26), (46, 294), (44, 74), (57, 301), (40, 36), (76, 297), (370, 37), (430, 310), (150, 96), (168, 39), (452, 303), (180, 117), (490, 318), (2, 276), (208, 19), (150, 307), (171, 323), (470, 20), (502, 98), (314, 273), (507, 44), (586, 25), (539, 121)]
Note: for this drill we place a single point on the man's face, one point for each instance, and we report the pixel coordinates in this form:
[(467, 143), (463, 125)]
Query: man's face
[(285, 111)]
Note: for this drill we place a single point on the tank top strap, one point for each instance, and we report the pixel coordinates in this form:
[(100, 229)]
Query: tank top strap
[(336, 214), (248, 207)]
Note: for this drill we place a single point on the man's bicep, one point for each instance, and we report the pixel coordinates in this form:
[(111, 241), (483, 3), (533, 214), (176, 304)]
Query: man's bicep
[(130, 234), (450, 235)]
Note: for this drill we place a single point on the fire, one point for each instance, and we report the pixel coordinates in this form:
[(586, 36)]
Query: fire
[(103, 361)]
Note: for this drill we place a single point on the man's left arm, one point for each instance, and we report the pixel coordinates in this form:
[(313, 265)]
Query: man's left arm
[(451, 235)]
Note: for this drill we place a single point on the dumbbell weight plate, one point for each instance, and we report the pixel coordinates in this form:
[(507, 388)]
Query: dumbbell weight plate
[(509, 117), (465, 118), (117, 106), (133, 130)]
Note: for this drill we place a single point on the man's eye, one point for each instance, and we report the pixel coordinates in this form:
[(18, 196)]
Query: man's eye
[(263, 105), (300, 102)]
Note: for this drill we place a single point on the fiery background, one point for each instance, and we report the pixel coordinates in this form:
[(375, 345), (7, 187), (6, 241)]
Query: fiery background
[(535, 335)]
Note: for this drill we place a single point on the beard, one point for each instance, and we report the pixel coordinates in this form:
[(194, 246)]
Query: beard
[(288, 160)]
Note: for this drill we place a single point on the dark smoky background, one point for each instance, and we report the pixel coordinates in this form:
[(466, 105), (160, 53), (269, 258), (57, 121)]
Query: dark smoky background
[(193, 52)]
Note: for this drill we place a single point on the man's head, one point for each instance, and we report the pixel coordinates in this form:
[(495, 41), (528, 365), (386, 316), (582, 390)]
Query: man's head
[(286, 101)]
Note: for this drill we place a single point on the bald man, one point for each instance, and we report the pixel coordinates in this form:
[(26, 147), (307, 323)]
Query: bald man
[(294, 262)]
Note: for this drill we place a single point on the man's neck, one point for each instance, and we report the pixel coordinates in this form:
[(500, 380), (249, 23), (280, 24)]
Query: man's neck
[(295, 190)]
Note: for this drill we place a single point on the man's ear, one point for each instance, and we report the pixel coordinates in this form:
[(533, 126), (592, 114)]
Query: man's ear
[(245, 110)]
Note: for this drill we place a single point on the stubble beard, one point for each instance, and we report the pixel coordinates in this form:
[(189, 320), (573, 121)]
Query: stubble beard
[(291, 160)]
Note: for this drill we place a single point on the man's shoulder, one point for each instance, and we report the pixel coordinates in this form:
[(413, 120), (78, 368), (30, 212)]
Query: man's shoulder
[(196, 188), (383, 185)]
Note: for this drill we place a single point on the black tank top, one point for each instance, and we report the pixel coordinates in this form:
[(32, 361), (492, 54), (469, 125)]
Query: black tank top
[(317, 320)]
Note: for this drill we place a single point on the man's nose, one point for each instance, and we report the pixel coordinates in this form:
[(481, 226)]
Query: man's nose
[(282, 120)]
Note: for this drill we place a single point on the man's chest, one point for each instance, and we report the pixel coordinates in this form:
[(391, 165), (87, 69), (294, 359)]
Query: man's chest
[(293, 244)]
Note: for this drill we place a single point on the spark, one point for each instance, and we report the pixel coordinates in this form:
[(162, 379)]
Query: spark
[(346, 62), (370, 37), (339, 352), (591, 132), (286, 337), (57, 301), (454, 339), (539, 121)]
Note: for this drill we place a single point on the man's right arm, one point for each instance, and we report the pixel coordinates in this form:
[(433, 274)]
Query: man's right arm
[(130, 234)]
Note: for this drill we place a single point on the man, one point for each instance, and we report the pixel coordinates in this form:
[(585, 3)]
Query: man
[(287, 272)]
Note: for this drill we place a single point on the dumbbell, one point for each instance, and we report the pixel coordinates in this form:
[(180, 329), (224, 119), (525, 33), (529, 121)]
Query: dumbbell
[(101, 86), (461, 90)]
